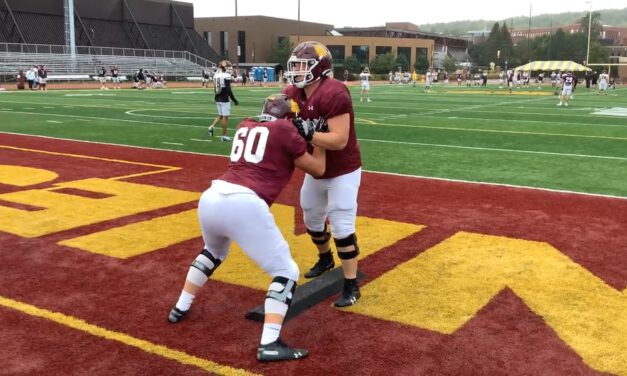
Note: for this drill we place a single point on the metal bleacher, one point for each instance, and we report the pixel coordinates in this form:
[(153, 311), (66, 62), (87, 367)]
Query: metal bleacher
[(59, 61)]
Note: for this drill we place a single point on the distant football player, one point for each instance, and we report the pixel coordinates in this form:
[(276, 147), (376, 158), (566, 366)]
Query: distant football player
[(102, 77), (236, 208), (327, 102), (115, 77), (604, 79), (222, 84), (568, 82), (364, 76)]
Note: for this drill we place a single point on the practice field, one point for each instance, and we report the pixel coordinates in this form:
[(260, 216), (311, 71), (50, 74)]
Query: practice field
[(470, 134), (469, 269)]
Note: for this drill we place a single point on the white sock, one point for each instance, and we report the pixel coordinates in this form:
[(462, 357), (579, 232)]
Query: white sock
[(185, 301), (270, 333)]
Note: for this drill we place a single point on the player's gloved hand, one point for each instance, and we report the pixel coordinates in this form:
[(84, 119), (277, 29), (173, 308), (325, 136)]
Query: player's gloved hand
[(322, 125), (306, 128), (236, 102)]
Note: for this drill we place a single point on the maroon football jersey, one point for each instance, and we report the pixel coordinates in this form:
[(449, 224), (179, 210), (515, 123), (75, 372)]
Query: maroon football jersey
[(262, 156), (331, 99)]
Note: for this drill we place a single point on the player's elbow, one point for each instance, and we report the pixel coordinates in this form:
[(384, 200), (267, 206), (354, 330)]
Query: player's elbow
[(318, 170)]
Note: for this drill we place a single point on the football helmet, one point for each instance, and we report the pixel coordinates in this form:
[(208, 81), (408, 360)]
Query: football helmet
[(310, 61), (279, 106), (225, 66), (366, 70)]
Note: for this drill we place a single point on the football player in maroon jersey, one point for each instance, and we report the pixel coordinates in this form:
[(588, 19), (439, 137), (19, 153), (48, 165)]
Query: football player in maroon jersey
[(237, 208), (333, 196)]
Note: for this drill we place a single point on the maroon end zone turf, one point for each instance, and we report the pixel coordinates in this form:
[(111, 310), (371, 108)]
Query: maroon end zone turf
[(133, 296)]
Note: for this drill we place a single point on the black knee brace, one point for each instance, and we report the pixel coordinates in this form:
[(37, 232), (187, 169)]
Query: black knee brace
[(347, 242), (320, 237), (207, 270), (286, 294)]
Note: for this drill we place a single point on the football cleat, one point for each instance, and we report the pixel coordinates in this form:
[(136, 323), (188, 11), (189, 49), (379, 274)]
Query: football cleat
[(324, 264), (225, 138), (210, 131), (278, 350), (176, 315), (350, 295)]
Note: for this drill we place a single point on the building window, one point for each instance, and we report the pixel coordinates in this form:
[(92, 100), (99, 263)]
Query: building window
[(421, 52), (224, 44), (338, 52), (382, 50), (207, 36), (362, 53), (241, 46), (405, 51)]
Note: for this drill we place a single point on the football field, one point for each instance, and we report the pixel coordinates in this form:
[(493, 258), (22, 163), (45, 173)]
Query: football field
[(470, 134), (492, 231)]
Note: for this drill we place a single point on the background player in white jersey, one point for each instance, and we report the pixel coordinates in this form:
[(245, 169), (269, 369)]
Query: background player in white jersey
[(237, 208), (568, 82), (364, 76), (604, 79), (222, 83), (428, 80)]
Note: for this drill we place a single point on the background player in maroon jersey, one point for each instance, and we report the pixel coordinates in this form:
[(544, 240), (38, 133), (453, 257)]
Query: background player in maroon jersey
[(236, 208), (327, 102)]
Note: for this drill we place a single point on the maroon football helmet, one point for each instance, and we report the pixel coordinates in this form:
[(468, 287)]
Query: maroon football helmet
[(310, 61), (279, 106)]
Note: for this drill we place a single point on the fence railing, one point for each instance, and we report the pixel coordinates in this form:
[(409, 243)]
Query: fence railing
[(104, 51)]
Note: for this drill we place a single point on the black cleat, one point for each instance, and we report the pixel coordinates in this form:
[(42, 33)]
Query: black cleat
[(176, 315), (324, 264), (350, 294), (278, 350), (210, 131)]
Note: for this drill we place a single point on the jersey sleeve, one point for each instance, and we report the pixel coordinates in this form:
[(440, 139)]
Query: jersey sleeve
[(296, 146), (338, 103)]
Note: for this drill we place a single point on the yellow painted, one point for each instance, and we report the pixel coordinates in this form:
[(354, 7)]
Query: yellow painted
[(142, 237), (443, 288), (123, 338), (366, 121), (374, 235), (65, 211), (162, 168), (20, 176)]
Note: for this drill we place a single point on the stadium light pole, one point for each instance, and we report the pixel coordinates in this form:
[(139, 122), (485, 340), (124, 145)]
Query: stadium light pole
[(298, 24), (589, 27)]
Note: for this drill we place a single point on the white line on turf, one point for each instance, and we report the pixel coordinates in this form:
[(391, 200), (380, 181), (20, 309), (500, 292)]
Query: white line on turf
[(172, 143), (54, 121), (199, 140), (368, 171)]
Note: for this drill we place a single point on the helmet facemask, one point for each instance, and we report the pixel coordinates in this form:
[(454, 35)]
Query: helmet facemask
[(300, 71)]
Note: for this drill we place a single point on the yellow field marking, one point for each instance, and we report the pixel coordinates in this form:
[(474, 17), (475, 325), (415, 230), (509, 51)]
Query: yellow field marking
[(146, 346), (364, 120), (20, 176), (444, 287), (162, 168), (142, 237), (66, 211), (374, 235)]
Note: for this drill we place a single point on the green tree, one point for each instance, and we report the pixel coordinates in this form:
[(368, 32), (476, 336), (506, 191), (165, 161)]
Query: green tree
[(383, 64), (352, 64), (449, 64), (281, 52), (422, 64), (401, 61)]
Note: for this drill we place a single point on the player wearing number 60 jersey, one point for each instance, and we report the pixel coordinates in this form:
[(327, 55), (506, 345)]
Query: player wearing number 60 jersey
[(236, 208)]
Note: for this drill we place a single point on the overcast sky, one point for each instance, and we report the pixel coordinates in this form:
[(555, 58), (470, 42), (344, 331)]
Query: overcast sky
[(354, 13)]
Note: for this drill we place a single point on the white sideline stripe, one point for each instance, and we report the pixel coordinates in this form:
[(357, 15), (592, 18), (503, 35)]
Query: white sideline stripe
[(199, 140), (54, 121), (496, 149), (368, 171), (108, 119), (172, 143), (358, 120)]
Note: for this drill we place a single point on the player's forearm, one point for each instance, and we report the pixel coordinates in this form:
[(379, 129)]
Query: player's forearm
[(330, 140)]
